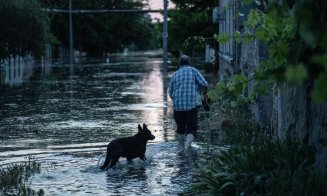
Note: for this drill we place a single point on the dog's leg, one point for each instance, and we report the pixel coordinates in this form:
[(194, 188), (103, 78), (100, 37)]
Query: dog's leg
[(130, 161), (142, 157), (113, 162)]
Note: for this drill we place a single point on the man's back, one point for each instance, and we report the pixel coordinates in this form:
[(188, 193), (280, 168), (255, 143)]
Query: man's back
[(184, 88)]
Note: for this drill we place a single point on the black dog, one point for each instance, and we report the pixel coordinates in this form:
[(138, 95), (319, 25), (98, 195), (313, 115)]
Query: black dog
[(129, 147)]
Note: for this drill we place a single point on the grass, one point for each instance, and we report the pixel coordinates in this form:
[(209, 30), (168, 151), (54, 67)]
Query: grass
[(264, 168), (14, 178)]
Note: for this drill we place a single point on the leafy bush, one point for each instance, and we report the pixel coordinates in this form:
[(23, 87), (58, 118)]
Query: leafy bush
[(229, 108)]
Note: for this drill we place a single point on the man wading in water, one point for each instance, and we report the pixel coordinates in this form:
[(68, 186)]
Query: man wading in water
[(185, 90)]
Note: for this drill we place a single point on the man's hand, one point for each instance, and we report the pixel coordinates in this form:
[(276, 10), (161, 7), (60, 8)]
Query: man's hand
[(206, 102), (204, 90)]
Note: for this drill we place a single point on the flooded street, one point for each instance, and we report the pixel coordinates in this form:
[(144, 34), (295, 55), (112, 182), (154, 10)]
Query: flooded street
[(64, 121)]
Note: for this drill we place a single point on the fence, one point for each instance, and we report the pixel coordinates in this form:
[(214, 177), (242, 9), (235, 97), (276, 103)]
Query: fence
[(15, 69)]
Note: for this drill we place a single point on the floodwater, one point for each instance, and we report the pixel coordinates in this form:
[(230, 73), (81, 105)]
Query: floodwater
[(66, 119)]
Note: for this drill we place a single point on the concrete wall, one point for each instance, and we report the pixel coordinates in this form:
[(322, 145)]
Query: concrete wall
[(249, 60), (298, 116), (286, 111), (226, 52)]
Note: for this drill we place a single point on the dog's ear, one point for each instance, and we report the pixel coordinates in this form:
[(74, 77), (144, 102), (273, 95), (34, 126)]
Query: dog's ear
[(140, 128), (144, 126)]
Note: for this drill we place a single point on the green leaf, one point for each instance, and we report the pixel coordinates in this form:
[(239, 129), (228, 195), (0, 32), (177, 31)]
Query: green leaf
[(247, 37), (320, 59), (278, 51), (296, 74), (289, 27), (262, 35), (309, 37), (227, 184), (254, 18), (239, 82), (222, 38), (272, 22), (320, 88), (221, 174), (247, 2), (237, 36)]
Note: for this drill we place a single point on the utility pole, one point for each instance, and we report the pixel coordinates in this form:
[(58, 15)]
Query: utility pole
[(71, 53), (71, 48), (165, 38), (165, 60)]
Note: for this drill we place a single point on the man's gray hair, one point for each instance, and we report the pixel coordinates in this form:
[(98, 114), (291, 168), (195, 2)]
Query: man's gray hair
[(184, 60)]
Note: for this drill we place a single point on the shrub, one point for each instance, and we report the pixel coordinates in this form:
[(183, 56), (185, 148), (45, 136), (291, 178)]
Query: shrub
[(14, 177), (263, 167)]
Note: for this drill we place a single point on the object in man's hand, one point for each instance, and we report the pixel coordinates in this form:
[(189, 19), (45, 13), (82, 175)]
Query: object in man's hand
[(206, 102)]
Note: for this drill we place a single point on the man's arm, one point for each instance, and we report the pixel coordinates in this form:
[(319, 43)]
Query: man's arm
[(201, 81)]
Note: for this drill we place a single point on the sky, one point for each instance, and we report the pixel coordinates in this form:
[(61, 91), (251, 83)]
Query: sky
[(158, 4)]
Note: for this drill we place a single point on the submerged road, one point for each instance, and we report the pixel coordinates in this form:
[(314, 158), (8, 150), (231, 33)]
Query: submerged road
[(65, 121)]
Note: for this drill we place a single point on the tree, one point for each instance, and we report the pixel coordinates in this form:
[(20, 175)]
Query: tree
[(190, 18), (23, 28), (99, 33)]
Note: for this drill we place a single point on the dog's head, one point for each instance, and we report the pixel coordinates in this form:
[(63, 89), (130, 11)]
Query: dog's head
[(145, 132)]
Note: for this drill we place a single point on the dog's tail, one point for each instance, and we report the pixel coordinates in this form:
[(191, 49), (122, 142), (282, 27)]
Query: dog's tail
[(101, 159), (106, 162)]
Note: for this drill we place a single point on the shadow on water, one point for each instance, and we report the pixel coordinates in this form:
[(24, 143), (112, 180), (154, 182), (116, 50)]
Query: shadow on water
[(65, 121)]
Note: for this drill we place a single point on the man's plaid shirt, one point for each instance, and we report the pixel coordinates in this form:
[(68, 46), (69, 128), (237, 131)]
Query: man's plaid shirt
[(184, 88)]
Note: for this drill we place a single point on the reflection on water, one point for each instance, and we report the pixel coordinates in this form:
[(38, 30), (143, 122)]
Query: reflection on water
[(65, 121), (166, 171), (105, 101)]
